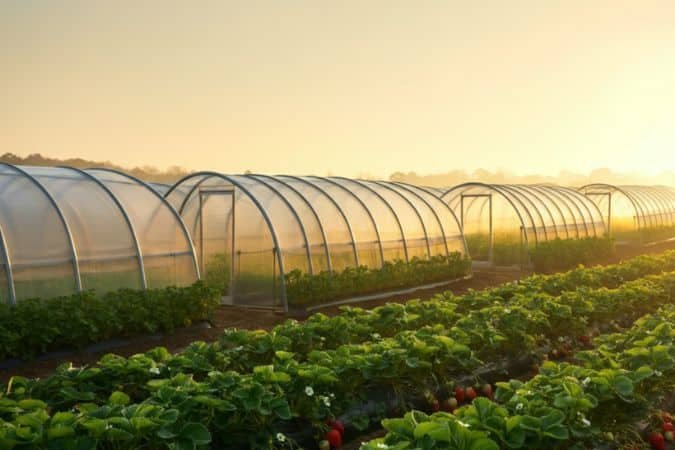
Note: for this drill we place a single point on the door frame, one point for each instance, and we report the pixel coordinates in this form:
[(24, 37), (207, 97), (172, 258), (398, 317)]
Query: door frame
[(203, 192), (490, 231)]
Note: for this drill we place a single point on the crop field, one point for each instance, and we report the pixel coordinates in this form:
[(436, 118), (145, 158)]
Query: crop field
[(580, 359)]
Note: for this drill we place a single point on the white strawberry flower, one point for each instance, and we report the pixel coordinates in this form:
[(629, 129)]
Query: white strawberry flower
[(309, 391)]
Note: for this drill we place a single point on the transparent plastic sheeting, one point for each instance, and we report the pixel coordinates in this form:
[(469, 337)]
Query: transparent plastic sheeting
[(64, 230), (270, 225), (501, 220), (629, 208)]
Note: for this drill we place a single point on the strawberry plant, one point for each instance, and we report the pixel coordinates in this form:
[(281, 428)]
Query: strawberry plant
[(35, 326), (261, 389), (304, 289)]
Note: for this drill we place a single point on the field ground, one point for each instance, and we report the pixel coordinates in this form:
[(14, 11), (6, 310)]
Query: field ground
[(228, 317)]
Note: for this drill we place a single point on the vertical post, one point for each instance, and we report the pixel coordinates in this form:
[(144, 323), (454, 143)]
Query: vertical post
[(274, 272), (201, 234), (609, 215), (8, 269), (232, 231), (491, 235), (523, 250)]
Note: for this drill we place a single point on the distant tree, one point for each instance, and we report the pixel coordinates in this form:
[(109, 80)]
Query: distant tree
[(147, 173)]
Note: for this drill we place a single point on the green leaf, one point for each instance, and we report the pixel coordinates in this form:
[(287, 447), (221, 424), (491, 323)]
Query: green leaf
[(402, 427), (197, 433), (483, 444), (119, 398), (641, 373), (623, 385), (558, 432)]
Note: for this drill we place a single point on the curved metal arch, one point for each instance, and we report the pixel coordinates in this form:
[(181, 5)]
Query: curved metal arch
[(438, 195), (585, 203), (656, 200), (8, 268), (506, 197), (664, 201), (192, 189), (562, 199), (527, 210), (266, 218), (544, 193), (163, 200), (310, 264), (127, 219), (398, 220), (414, 208), (433, 211), (638, 208), (62, 218), (669, 199), (311, 208), (646, 203), (582, 216), (365, 208), (644, 214), (337, 206), (525, 195), (532, 191)]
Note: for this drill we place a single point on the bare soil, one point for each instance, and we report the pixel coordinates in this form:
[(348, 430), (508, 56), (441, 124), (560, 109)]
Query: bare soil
[(246, 318)]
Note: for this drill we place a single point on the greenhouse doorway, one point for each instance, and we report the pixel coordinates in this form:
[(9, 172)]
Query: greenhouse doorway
[(216, 241), (480, 242)]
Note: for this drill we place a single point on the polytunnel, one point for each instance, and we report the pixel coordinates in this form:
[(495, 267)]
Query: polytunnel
[(65, 230), (253, 229), (635, 213), (500, 221)]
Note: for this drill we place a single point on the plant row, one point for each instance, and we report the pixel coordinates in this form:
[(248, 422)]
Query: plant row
[(242, 350), (561, 254), (590, 404), (246, 348), (303, 289), (189, 400), (545, 256), (35, 326)]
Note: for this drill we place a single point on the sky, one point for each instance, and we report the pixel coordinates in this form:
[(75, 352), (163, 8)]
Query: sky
[(343, 87)]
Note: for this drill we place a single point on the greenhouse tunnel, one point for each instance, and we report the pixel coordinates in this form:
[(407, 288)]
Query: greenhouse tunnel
[(65, 230), (635, 214), (251, 230), (501, 221)]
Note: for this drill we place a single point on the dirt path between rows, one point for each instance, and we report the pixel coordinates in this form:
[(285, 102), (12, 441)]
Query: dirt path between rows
[(237, 317)]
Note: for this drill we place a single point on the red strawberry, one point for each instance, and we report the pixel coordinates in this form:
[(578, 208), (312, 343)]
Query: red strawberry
[(487, 390), (435, 406), (657, 441), (336, 425), (471, 393), (459, 394), (334, 438), (585, 339), (667, 426), (665, 417)]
